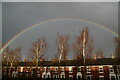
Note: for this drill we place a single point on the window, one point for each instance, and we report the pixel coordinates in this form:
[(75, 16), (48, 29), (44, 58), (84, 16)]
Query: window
[(101, 78), (79, 78), (111, 69), (48, 76), (44, 76), (55, 77), (88, 69), (101, 70), (62, 76), (88, 78), (70, 77), (70, 69), (118, 69), (119, 77), (112, 77)]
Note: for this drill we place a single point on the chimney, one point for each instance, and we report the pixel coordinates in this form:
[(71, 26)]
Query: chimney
[(25, 60), (95, 56)]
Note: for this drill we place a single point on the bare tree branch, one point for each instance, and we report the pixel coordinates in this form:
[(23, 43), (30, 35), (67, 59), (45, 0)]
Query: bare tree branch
[(12, 57), (78, 44), (63, 46), (37, 50)]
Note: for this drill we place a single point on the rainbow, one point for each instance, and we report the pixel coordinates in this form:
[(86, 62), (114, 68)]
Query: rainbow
[(51, 20)]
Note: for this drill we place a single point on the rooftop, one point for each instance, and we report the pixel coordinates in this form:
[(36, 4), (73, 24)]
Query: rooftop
[(103, 61)]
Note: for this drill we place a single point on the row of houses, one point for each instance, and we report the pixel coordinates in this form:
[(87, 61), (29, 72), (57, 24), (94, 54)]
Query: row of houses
[(102, 71)]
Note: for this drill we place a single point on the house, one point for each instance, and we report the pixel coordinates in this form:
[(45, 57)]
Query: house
[(105, 68)]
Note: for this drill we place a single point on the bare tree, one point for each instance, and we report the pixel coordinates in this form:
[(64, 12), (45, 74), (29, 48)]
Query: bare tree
[(78, 45), (83, 47), (117, 52), (37, 50), (100, 54), (63, 46), (117, 46), (77, 51), (12, 57), (4, 56)]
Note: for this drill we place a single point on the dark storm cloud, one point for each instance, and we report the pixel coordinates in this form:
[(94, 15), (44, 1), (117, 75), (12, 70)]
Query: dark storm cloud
[(18, 16)]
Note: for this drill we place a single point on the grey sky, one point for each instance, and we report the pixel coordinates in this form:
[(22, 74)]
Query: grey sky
[(19, 16), (0, 22), (60, 0)]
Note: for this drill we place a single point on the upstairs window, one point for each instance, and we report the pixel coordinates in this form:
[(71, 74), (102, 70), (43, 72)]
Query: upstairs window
[(101, 69), (111, 69), (88, 69)]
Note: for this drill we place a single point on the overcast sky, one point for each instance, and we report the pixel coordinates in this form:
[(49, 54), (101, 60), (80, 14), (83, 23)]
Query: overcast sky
[(19, 16), (60, 0)]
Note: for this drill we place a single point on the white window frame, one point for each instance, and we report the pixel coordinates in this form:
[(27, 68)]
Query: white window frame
[(89, 76), (88, 70), (118, 77), (101, 77), (44, 73), (114, 77), (101, 68), (111, 68), (70, 69), (48, 73), (71, 76), (62, 73)]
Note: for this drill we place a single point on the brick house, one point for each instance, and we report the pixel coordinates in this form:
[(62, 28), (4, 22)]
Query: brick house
[(106, 68)]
